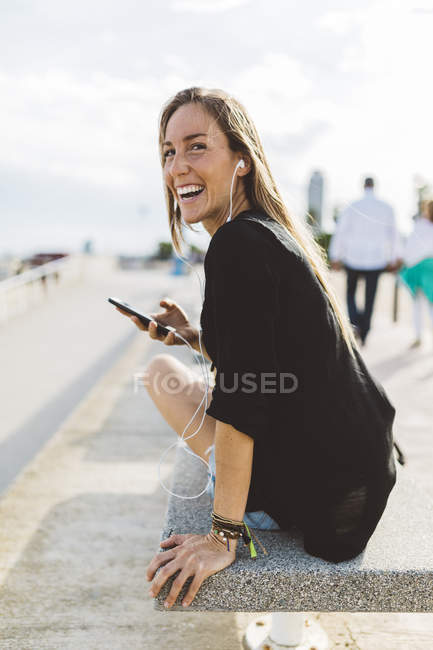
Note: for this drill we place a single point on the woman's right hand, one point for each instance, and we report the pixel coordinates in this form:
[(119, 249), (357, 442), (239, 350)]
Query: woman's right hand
[(174, 316)]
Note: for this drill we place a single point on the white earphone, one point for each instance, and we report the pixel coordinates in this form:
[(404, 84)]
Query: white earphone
[(240, 164)]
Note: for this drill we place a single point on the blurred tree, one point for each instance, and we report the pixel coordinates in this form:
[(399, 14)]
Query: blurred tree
[(196, 254), (323, 239), (165, 250), (336, 213)]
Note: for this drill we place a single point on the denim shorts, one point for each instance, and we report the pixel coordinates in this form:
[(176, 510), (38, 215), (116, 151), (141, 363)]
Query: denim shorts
[(257, 519)]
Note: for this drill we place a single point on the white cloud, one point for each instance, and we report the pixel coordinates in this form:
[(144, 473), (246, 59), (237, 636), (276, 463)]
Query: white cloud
[(385, 129), (341, 21), (345, 91), (276, 88), (102, 130), (207, 6)]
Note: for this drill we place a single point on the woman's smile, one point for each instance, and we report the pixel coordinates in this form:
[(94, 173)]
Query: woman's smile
[(190, 193)]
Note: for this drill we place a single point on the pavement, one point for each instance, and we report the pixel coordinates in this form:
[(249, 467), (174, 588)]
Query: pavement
[(82, 519)]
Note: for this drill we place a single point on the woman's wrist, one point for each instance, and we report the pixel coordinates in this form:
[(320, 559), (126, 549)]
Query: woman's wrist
[(221, 544), (196, 345), (227, 531)]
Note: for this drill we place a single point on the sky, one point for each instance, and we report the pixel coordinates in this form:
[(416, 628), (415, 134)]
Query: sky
[(342, 87)]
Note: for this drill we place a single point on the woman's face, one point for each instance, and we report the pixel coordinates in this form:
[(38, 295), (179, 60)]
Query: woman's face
[(197, 157)]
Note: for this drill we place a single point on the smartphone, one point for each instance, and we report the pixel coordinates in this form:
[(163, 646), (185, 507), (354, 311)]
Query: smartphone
[(161, 329)]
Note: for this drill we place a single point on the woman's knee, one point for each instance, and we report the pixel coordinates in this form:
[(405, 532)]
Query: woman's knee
[(166, 374), (161, 363), (177, 392), (159, 367)]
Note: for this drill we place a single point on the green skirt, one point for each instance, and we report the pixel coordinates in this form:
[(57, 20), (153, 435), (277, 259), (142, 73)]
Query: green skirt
[(419, 276)]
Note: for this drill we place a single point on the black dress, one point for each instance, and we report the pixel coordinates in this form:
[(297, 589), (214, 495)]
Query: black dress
[(322, 426)]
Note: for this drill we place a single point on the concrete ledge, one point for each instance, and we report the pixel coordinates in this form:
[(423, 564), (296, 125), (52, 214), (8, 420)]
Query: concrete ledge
[(393, 574)]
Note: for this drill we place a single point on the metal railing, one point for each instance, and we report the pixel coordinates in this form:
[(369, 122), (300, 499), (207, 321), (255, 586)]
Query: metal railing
[(20, 292)]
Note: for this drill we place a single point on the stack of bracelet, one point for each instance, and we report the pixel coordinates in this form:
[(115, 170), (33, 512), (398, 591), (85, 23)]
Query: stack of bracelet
[(227, 529)]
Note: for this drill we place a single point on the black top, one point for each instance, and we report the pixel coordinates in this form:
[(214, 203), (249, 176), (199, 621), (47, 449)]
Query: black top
[(322, 426)]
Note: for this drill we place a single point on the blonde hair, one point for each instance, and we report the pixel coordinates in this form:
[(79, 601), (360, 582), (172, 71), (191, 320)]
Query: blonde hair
[(260, 188)]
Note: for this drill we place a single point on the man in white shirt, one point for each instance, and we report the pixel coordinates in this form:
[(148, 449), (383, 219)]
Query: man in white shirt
[(366, 242)]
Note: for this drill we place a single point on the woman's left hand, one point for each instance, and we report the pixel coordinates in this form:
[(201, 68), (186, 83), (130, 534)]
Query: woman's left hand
[(199, 556)]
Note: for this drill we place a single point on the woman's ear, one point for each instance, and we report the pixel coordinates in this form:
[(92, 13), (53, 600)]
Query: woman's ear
[(243, 170)]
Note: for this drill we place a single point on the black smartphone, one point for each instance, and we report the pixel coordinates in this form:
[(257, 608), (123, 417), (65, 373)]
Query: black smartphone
[(144, 319)]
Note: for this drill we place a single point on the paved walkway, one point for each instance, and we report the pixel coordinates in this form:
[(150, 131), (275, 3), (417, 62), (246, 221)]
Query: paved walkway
[(82, 520), (59, 348)]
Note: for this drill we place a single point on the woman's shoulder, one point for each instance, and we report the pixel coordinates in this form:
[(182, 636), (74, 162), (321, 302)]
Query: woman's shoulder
[(238, 228), (235, 240), (253, 232)]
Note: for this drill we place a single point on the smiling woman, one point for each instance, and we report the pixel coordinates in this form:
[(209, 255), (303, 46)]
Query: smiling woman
[(269, 315), (198, 166)]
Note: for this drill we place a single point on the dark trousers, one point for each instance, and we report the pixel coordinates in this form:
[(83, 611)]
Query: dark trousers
[(361, 318)]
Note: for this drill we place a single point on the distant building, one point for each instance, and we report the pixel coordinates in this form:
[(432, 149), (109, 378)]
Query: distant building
[(315, 200)]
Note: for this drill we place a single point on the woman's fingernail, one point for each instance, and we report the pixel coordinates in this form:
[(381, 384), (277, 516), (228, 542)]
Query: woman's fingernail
[(150, 592), (185, 604), (166, 604)]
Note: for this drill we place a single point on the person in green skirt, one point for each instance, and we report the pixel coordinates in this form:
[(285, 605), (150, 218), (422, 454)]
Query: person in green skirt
[(417, 271)]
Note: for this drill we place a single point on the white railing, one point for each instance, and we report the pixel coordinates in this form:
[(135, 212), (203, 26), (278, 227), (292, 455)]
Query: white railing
[(20, 292)]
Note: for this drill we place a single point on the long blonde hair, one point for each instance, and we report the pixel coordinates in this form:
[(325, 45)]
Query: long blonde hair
[(261, 190)]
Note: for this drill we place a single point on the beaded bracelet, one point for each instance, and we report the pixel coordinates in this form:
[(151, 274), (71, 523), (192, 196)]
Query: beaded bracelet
[(231, 529)]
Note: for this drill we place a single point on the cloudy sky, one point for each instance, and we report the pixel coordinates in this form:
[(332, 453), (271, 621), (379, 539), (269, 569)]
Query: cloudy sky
[(344, 87)]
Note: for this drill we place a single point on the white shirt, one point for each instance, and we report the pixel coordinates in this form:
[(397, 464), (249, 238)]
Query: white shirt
[(366, 235), (419, 244)]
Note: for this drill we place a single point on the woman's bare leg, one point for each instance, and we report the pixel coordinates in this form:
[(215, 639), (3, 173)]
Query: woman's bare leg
[(177, 391)]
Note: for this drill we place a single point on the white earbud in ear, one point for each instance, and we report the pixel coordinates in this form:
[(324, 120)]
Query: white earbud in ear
[(241, 164)]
